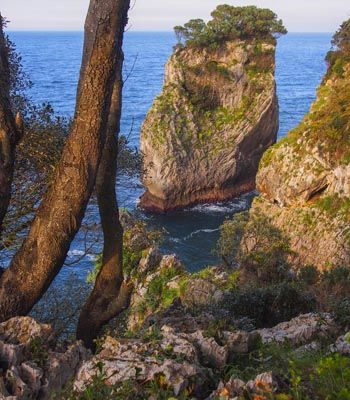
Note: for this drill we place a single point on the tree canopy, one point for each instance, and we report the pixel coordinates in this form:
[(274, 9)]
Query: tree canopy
[(230, 23), (341, 39), (339, 56)]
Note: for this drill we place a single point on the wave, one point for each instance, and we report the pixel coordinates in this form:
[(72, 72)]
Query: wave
[(199, 231), (239, 204)]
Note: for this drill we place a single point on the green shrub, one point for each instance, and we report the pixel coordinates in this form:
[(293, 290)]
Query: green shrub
[(337, 275), (269, 305), (257, 246), (332, 377), (38, 352), (341, 39), (231, 23), (308, 274), (341, 311), (231, 233)]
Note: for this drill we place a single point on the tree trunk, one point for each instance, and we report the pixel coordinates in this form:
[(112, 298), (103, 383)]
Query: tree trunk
[(10, 133), (60, 215), (111, 295)]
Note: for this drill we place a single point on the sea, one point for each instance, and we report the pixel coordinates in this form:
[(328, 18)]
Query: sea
[(52, 61)]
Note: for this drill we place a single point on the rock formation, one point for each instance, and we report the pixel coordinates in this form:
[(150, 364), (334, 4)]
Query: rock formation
[(304, 180), (34, 368), (204, 136)]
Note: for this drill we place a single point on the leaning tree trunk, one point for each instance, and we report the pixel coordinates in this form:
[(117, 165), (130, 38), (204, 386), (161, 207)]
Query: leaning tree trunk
[(111, 294), (10, 129), (60, 215)]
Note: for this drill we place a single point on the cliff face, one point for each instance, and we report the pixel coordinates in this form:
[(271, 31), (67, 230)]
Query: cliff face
[(205, 134), (304, 180)]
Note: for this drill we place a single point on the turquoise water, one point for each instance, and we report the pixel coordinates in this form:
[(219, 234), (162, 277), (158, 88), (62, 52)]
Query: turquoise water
[(53, 60)]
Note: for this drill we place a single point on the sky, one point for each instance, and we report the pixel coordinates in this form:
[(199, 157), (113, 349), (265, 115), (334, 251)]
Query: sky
[(163, 15)]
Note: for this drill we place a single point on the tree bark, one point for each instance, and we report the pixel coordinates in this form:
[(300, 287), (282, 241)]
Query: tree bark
[(111, 294), (60, 215), (10, 130)]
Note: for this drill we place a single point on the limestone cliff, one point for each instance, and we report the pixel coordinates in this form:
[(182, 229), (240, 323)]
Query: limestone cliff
[(205, 134), (304, 180)]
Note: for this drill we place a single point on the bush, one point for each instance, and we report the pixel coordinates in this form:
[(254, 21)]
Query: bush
[(341, 312), (341, 39), (308, 275), (270, 305), (231, 233), (337, 275), (231, 23), (254, 244)]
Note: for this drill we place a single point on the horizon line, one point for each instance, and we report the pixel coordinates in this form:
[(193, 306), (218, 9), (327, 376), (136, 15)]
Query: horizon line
[(130, 31)]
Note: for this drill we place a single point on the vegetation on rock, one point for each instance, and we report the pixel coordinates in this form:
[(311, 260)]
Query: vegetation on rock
[(231, 23), (304, 178), (214, 101)]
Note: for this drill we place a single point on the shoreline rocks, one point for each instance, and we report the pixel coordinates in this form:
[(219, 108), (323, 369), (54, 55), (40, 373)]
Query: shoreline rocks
[(304, 180)]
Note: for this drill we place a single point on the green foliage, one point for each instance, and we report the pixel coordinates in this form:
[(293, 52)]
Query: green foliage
[(337, 275), (333, 377), (341, 39), (231, 233), (270, 305), (38, 352), (131, 259), (308, 274), (210, 274), (158, 294), (92, 275), (133, 249), (307, 375), (257, 246), (328, 123), (231, 23), (334, 205), (341, 311)]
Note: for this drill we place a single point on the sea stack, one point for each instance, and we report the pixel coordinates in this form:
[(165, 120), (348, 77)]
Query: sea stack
[(204, 136), (304, 180)]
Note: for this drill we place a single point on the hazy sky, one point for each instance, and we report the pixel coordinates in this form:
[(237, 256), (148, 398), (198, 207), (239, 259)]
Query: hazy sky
[(298, 15)]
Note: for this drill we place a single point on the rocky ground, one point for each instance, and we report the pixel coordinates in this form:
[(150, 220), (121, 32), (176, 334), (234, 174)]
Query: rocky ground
[(34, 367), (185, 336), (181, 341)]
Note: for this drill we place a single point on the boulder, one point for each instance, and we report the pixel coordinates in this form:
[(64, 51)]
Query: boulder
[(300, 330), (202, 292), (263, 385), (33, 366), (17, 336), (134, 359), (342, 345)]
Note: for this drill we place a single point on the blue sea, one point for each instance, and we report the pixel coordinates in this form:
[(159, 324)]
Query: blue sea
[(52, 60)]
